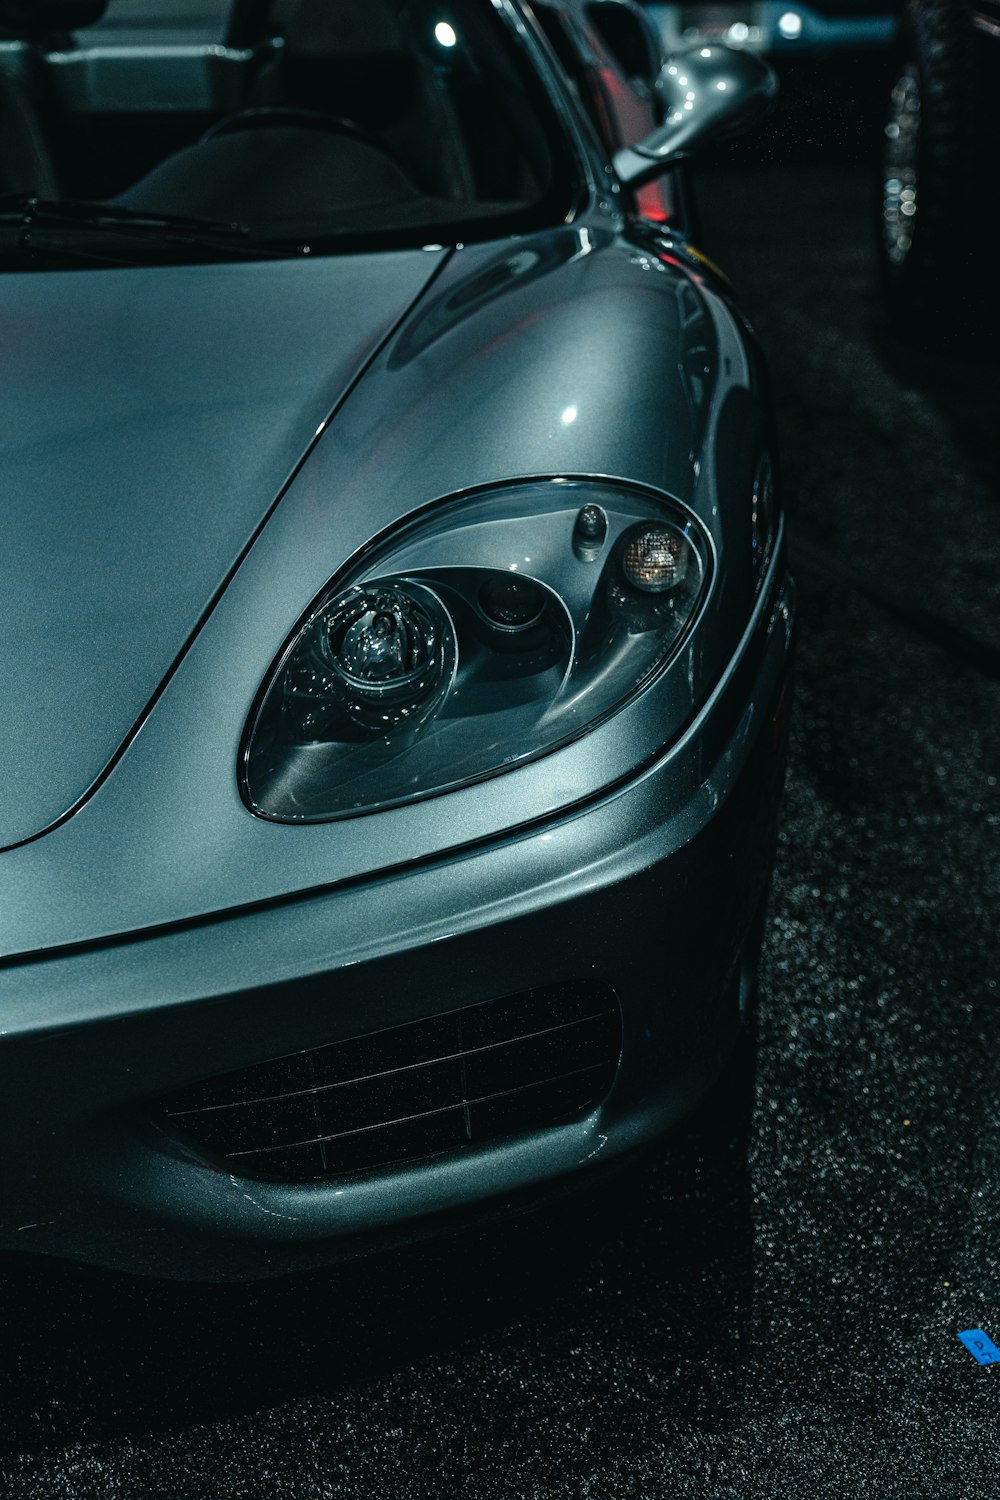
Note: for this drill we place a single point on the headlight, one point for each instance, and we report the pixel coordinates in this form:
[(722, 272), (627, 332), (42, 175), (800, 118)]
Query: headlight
[(487, 632)]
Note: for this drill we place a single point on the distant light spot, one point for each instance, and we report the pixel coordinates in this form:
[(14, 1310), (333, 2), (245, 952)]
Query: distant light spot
[(445, 35)]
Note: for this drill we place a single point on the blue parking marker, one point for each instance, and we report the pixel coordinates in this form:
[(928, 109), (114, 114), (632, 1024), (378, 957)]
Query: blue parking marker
[(980, 1346)]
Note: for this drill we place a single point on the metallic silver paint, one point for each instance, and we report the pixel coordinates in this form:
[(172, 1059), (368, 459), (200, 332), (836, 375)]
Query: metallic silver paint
[(472, 366), (151, 417), (585, 894), (162, 933)]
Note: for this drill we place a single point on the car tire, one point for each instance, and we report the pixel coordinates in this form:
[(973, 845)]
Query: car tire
[(926, 188)]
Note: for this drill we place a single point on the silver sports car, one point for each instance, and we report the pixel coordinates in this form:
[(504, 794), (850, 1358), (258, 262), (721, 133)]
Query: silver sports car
[(395, 618)]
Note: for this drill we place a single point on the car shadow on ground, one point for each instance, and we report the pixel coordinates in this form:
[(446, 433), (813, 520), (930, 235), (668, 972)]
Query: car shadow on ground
[(85, 1355), (960, 380)]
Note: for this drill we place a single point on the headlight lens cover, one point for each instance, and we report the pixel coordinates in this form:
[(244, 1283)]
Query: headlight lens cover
[(486, 632)]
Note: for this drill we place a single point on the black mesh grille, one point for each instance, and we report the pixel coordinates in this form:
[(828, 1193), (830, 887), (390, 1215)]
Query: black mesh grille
[(472, 1076)]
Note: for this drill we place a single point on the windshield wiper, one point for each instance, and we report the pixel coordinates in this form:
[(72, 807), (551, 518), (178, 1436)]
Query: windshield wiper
[(27, 213), (27, 208)]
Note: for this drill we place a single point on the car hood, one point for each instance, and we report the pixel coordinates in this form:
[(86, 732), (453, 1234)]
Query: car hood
[(574, 351), (150, 419)]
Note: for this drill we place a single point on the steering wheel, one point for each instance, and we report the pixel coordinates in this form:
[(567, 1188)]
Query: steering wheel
[(263, 117)]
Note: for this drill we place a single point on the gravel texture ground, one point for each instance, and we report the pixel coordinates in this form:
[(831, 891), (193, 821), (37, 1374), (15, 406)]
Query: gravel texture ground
[(771, 1308)]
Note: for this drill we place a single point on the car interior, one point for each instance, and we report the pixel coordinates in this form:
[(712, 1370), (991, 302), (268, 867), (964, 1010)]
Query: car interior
[(299, 117)]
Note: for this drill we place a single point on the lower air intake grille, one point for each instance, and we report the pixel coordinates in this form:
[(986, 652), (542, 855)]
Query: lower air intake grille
[(469, 1077)]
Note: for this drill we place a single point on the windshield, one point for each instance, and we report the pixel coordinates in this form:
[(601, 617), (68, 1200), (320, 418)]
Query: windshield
[(305, 125)]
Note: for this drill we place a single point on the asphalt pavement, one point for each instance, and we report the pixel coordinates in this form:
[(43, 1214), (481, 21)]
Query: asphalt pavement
[(771, 1307)]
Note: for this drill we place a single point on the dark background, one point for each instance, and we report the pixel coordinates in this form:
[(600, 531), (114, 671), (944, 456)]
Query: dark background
[(769, 1308)]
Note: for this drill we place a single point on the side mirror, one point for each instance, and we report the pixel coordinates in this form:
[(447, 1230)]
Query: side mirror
[(706, 93)]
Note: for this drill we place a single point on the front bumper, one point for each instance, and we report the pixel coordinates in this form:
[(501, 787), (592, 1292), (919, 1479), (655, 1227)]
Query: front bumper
[(652, 890)]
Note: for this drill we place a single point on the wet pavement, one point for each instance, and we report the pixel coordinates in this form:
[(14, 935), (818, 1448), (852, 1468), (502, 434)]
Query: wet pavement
[(772, 1306)]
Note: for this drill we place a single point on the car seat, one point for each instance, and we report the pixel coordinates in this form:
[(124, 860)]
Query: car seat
[(334, 118), (27, 164)]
